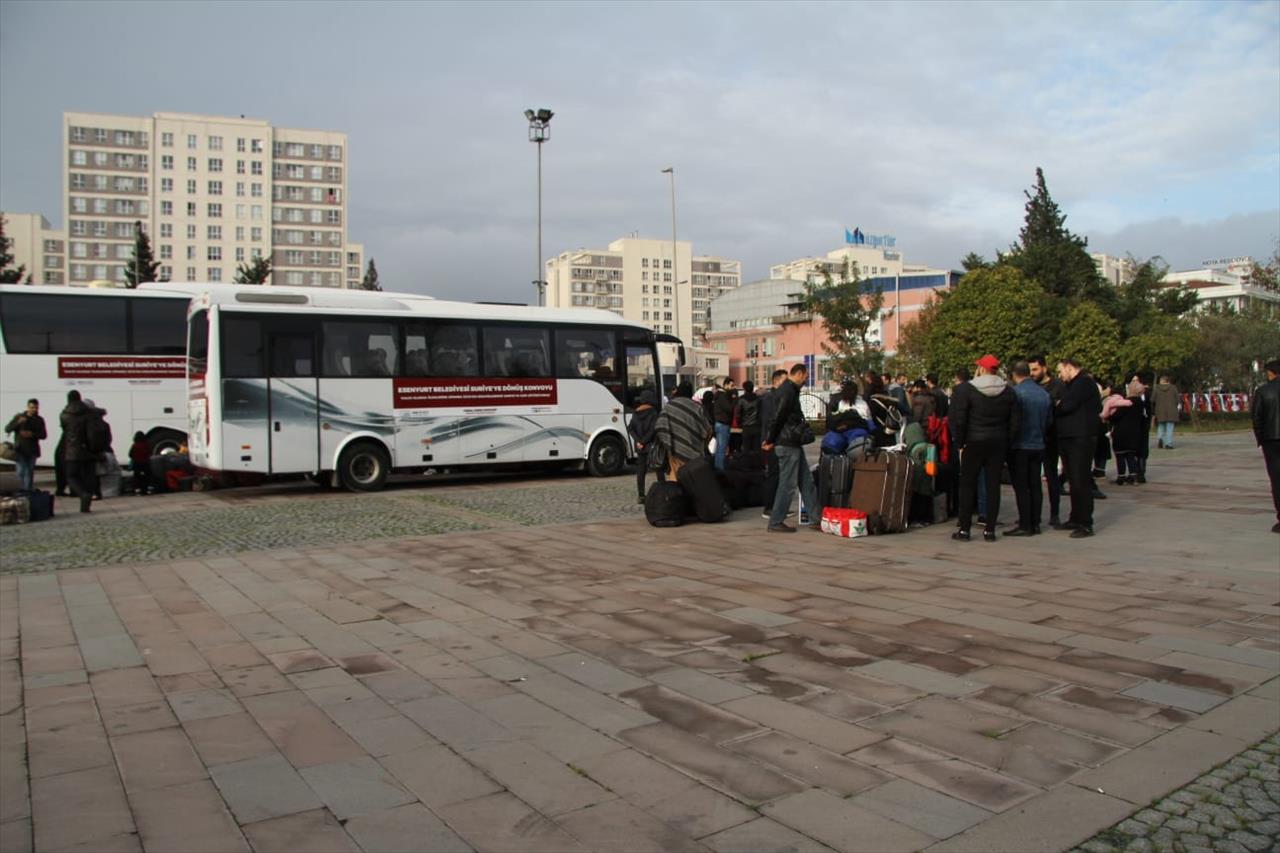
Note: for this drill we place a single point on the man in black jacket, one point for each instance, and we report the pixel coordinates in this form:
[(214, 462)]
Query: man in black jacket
[(80, 459), (722, 415), (1266, 429), (28, 431), (770, 456), (1076, 421), (782, 435), (984, 419)]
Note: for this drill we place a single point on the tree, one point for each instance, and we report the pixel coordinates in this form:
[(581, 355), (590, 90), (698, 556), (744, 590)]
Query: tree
[(255, 272), (1228, 345), (142, 266), (991, 310), (8, 275), (912, 355), (974, 261), (1165, 346), (370, 280), (1266, 276), (1091, 338), (1049, 254), (1143, 300), (851, 312)]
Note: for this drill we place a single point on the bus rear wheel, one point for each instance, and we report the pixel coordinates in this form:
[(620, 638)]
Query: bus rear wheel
[(363, 467), (165, 439), (607, 456)]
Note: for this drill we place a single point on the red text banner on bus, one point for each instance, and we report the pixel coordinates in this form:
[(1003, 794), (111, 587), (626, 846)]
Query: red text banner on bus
[(122, 367), (424, 393)]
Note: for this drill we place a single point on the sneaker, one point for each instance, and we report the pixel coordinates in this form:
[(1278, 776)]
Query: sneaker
[(781, 527), (766, 515), (1082, 533), (988, 535), (961, 536), (1018, 531)]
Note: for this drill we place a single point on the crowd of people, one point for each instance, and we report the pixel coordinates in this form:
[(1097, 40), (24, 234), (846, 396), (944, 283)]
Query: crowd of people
[(1052, 429)]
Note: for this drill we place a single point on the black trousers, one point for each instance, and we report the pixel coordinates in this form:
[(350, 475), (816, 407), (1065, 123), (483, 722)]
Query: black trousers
[(1077, 459), (1271, 453), (1102, 452), (770, 479), (642, 468), (985, 459), (1024, 470), (751, 439), (83, 480), (1052, 480)]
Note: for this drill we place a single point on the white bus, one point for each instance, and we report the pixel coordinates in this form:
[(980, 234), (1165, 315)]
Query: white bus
[(123, 349), (348, 387)]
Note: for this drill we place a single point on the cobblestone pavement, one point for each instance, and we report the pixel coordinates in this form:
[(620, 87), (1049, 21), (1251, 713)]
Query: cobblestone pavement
[(130, 529), (1234, 808), (597, 685)]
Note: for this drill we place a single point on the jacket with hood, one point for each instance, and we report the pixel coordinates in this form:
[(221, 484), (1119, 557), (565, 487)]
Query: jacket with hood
[(1164, 401), (986, 411), (644, 421), (75, 432), (1078, 411)]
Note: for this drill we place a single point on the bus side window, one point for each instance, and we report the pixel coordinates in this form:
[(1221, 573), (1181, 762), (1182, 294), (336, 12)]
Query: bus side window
[(359, 348), (242, 347), (516, 351)]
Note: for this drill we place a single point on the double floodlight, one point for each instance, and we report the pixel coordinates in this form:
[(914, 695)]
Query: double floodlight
[(539, 124)]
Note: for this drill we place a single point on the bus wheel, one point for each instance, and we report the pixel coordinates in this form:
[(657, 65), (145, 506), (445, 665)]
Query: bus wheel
[(363, 467), (165, 439), (607, 457)]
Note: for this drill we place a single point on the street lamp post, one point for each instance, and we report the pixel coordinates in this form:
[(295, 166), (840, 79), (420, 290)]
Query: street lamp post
[(539, 132), (675, 266)]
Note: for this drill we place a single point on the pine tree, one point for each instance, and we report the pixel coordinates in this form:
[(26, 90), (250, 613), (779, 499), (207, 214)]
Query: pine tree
[(142, 267), (8, 275), (1050, 255), (974, 261), (255, 272), (370, 281)]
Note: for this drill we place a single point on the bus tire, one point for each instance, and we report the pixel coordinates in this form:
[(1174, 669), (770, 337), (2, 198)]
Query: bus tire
[(162, 439), (606, 457), (364, 466)]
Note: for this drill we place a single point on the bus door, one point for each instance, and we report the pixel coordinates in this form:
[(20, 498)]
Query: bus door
[(293, 416)]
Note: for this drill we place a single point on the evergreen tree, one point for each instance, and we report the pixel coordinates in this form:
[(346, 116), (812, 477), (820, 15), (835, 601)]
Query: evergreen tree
[(974, 261), (370, 280), (851, 312), (1049, 254), (9, 275), (992, 310), (142, 266), (1093, 339), (255, 272)]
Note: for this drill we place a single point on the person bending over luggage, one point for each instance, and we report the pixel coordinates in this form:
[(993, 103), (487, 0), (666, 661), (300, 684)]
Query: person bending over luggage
[(923, 403), (140, 459), (787, 434), (641, 428), (846, 410), (985, 420), (682, 429)]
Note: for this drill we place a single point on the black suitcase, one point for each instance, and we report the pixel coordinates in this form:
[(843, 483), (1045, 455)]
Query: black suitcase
[(835, 479), (41, 503), (742, 488), (665, 504), (698, 479), (746, 460)]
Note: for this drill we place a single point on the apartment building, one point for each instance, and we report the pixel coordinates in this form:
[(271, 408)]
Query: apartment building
[(211, 192), (641, 280), (355, 265), (1226, 284), (1118, 271), (36, 245)]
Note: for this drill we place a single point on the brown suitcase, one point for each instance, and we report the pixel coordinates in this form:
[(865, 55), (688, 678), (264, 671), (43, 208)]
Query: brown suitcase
[(882, 489)]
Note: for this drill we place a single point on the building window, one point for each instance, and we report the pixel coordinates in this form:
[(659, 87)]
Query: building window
[(215, 273), (215, 164), (255, 212), (191, 164), (256, 190), (166, 185), (255, 146), (239, 167), (215, 253), (240, 144), (215, 188), (255, 234), (166, 229), (77, 134), (191, 253), (191, 186), (239, 232), (293, 278), (214, 232), (191, 273), (215, 210), (79, 158), (166, 140), (166, 161), (239, 211), (191, 141), (191, 232), (239, 253), (191, 208), (255, 168), (100, 158), (166, 252), (124, 137), (166, 273), (240, 189), (166, 208), (100, 135)]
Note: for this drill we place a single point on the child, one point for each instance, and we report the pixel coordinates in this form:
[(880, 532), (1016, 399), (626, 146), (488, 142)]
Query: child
[(140, 458)]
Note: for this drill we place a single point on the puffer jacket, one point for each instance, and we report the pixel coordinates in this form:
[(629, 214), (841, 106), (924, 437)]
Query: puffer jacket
[(986, 411), (75, 432)]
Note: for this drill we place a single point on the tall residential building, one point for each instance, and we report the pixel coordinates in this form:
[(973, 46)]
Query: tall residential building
[(639, 279), (210, 191), (1118, 271), (36, 245), (355, 265)]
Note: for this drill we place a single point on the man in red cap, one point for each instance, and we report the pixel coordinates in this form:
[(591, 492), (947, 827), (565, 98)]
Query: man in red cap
[(984, 420)]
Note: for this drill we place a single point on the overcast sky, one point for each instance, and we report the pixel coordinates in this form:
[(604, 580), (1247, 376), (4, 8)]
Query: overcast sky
[(1158, 125)]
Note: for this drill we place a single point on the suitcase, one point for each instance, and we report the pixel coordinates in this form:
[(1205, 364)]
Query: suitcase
[(665, 504), (40, 503), (742, 488), (15, 510), (882, 489), (698, 479), (835, 480), (746, 461)]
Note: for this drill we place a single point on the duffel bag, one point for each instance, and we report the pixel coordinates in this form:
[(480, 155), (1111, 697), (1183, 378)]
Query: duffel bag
[(698, 479), (664, 505)]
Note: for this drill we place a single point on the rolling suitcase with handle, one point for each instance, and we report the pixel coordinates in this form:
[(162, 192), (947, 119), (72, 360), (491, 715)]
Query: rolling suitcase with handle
[(835, 479), (882, 488)]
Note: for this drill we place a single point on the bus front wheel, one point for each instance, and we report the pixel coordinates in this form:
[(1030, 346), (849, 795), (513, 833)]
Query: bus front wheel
[(165, 439), (607, 457), (363, 467)]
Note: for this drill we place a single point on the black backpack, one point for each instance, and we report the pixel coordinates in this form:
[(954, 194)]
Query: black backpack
[(97, 433), (665, 504)]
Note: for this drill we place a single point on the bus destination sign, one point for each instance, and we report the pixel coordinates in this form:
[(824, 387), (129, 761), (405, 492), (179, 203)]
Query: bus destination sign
[(428, 393), (122, 367)]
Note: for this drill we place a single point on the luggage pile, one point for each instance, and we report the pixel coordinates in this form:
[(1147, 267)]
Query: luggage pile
[(22, 507), (695, 493)]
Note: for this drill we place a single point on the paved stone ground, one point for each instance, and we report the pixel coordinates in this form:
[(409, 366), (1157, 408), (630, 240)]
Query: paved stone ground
[(1233, 809), (602, 685)]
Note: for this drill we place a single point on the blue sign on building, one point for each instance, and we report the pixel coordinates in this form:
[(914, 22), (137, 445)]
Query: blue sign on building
[(856, 237)]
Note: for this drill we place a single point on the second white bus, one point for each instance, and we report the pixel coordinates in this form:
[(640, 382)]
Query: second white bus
[(289, 381)]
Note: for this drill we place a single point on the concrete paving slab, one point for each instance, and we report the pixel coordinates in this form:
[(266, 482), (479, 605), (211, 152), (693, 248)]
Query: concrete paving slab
[(1158, 767), (762, 835), (356, 787), (1178, 697), (843, 825), (260, 788), (314, 831), (921, 808), (1047, 824), (407, 827)]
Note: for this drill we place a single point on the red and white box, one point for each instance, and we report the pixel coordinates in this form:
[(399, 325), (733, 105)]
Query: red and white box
[(847, 523)]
